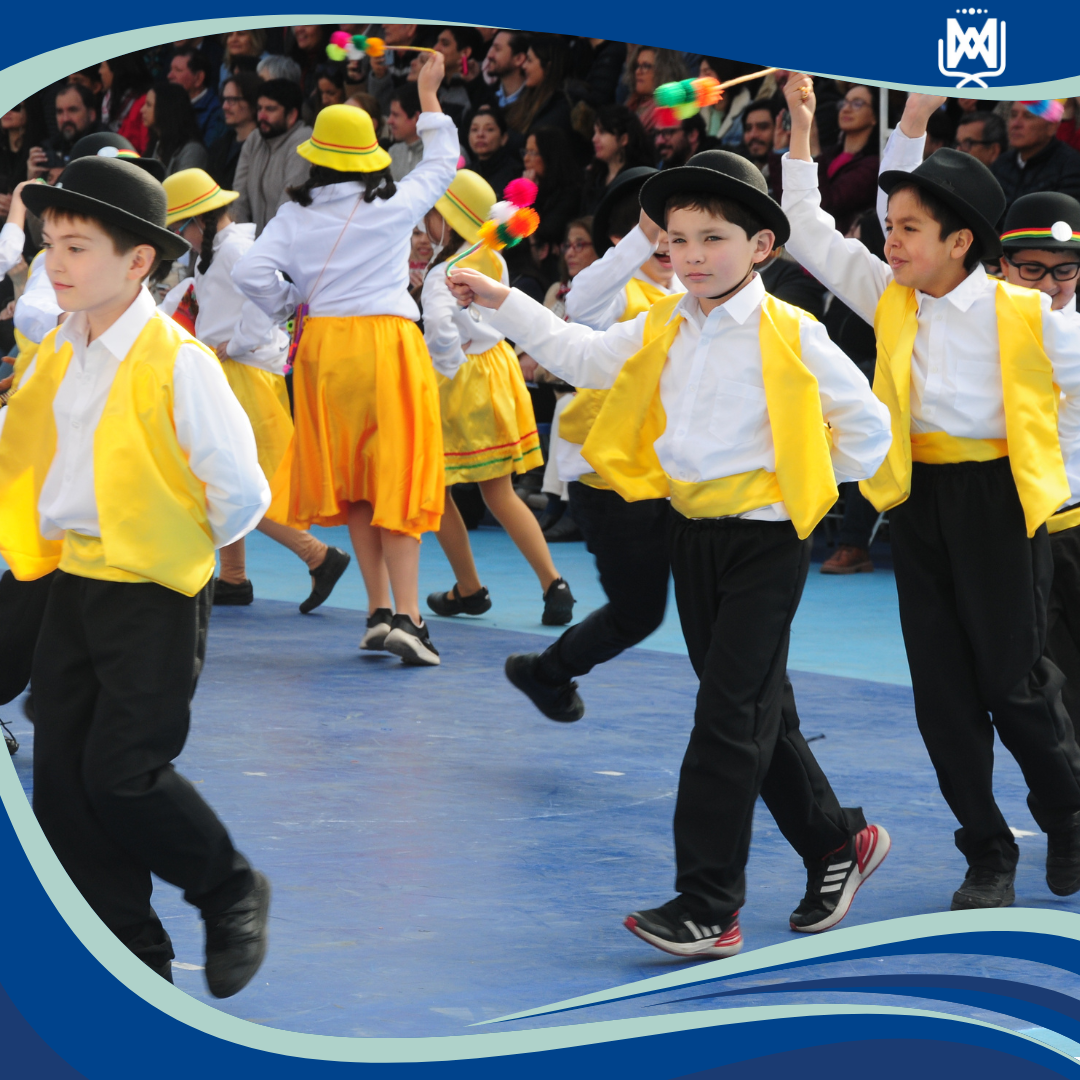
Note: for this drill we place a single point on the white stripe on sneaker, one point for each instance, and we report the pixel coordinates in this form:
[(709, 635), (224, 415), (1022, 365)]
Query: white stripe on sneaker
[(698, 935), (840, 866), (831, 888)]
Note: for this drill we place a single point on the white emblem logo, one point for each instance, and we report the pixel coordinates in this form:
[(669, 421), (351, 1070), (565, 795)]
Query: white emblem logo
[(987, 44)]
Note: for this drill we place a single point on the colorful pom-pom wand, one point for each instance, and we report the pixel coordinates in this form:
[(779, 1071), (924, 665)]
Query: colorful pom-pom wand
[(345, 46), (678, 101), (509, 222)]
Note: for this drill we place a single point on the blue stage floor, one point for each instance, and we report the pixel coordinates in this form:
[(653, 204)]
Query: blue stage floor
[(441, 854)]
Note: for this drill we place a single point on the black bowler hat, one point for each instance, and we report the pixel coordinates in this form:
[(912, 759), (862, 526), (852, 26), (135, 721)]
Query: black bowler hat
[(1043, 221), (108, 144), (965, 185), (628, 182), (720, 173), (114, 191)]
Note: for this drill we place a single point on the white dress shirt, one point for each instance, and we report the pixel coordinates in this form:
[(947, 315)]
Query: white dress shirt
[(711, 386), (956, 361), (597, 298), (345, 256), (454, 333), (12, 239), (36, 311), (211, 428), (226, 314)]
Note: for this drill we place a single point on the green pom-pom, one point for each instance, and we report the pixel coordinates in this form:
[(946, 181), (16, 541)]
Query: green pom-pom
[(685, 111), (360, 41), (669, 95)]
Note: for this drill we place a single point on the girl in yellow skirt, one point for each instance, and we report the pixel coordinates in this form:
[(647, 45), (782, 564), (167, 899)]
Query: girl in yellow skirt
[(367, 447), (489, 430), (252, 350)]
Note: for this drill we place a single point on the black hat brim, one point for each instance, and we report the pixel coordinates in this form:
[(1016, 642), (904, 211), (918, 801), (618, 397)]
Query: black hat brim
[(628, 182), (692, 178), (984, 231), (148, 164), (40, 197)]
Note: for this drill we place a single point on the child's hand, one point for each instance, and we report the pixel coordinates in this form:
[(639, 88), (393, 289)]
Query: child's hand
[(222, 350), (430, 79), (801, 105), (479, 287), (17, 210), (917, 111)]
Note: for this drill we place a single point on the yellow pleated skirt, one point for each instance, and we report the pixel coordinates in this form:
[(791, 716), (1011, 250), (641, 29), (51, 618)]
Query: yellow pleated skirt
[(265, 399), (367, 429), (488, 425)]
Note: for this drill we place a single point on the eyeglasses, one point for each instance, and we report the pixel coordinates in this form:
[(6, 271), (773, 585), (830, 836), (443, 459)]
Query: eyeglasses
[(576, 245), (1033, 271), (854, 103), (645, 66), (967, 144)]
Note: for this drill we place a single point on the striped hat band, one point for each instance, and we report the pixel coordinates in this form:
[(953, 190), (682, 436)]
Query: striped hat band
[(472, 215), (1060, 231), (191, 207), (337, 148)]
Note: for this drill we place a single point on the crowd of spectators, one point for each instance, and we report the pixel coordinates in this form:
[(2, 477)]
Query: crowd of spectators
[(570, 113)]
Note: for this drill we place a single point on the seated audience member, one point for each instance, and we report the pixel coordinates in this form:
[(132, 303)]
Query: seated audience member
[(490, 154), (647, 69), (1069, 129), (676, 145), (175, 137), (550, 164), (982, 135), (269, 164), (76, 116), (505, 62), (407, 148), (619, 142), (723, 121), (193, 70), (594, 70), (126, 80), (243, 51), (1036, 160), (21, 127), (848, 170), (239, 103), (308, 49), (940, 131), (329, 86), (462, 89), (543, 103), (759, 142), (278, 67)]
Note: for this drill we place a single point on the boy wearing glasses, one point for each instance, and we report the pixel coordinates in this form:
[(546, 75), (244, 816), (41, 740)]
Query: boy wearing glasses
[(971, 369)]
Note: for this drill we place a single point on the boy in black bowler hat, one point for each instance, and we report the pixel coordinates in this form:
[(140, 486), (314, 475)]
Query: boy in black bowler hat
[(970, 369), (124, 462), (719, 399)]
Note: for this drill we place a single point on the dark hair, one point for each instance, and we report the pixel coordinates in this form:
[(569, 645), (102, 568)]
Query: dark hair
[(241, 63), (870, 233), (285, 93), (624, 215), (618, 120), (949, 220), (728, 209), (941, 127), (198, 61), (408, 97), (209, 222), (769, 105), (249, 85), (732, 69), (494, 112), (130, 79), (519, 41), (561, 170), (875, 98), (695, 123), (550, 50), (122, 239), (86, 95), (175, 121), (993, 126), (466, 37), (376, 184), (333, 72)]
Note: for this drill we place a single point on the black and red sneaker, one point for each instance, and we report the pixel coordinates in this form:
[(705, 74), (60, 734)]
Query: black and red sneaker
[(672, 929), (832, 883)]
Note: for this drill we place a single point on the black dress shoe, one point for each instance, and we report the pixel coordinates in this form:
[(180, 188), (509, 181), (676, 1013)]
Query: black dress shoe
[(558, 604), (985, 888), (560, 702), (563, 531), (453, 603), (324, 577), (236, 941), (1063, 858), (233, 595)]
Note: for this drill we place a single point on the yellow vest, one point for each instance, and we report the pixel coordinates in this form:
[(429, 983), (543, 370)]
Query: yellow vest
[(151, 506), (1030, 398), (620, 445), (578, 417)]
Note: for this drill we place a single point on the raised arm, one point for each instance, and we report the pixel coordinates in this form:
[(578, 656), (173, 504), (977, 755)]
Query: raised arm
[(36, 311), (596, 295), (904, 150)]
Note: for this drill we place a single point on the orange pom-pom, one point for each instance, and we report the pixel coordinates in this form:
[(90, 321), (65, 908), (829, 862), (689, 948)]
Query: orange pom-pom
[(526, 222), (376, 47)]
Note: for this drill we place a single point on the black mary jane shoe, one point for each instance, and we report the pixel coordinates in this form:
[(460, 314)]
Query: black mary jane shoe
[(324, 577), (455, 604)]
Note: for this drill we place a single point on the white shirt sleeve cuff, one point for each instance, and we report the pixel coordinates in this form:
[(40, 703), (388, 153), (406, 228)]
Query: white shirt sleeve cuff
[(513, 318), (798, 174), (430, 121)]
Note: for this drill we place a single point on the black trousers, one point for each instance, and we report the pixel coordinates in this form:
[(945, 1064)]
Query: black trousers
[(738, 584), (973, 593), (630, 544), (22, 607), (1063, 617), (114, 672)]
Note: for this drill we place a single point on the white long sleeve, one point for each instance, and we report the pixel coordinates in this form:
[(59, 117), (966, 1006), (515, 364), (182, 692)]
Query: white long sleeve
[(903, 154), (597, 297), (12, 239), (36, 311)]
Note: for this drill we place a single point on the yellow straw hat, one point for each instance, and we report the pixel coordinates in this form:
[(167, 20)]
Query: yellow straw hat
[(192, 192), (466, 204), (344, 139)]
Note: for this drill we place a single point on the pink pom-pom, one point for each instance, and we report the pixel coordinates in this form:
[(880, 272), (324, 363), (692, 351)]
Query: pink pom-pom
[(521, 192), (340, 39)]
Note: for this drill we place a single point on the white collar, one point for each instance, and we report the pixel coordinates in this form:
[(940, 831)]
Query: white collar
[(740, 307), (965, 294), (120, 337)]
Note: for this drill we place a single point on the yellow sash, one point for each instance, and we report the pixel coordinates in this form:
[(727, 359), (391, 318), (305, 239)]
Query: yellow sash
[(578, 417), (151, 506), (620, 445), (1030, 400)]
